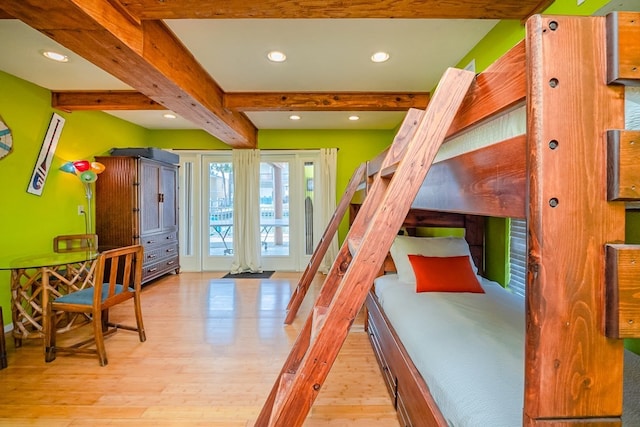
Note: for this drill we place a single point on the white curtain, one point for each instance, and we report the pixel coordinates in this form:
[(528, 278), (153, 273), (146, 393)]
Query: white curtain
[(328, 166), (246, 211)]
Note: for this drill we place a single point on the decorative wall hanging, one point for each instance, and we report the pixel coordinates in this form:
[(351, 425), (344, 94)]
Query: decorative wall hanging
[(6, 141), (41, 168)]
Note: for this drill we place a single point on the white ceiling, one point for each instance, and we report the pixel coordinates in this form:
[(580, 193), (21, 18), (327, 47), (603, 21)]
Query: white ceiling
[(324, 55), (327, 55)]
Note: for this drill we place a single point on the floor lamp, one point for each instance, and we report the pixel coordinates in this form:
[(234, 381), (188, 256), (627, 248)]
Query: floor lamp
[(88, 173)]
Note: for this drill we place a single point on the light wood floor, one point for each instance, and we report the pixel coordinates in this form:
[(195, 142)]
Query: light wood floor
[(214, 348)]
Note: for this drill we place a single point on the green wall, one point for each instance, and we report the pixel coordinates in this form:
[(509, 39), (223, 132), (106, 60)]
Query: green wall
[(28, 223)]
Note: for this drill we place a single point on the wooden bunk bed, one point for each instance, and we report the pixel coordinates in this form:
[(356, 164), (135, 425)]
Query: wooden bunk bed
[(569, 171), (570, 174)]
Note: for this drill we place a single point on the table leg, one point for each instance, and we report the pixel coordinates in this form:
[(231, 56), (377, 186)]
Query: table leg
[(45, 305), (3, 344), (16, 302), (32, 289)]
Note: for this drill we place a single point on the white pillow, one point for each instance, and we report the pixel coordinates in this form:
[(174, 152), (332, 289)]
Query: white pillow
[(403, 246)]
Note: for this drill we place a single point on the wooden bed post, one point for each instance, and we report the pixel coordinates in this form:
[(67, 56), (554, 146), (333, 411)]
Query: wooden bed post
[(573, 372)]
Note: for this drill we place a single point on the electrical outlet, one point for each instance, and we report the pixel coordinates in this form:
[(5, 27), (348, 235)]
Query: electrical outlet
[(80, 210)]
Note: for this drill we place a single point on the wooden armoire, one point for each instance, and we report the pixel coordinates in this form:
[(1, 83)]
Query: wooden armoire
[(137, 203)]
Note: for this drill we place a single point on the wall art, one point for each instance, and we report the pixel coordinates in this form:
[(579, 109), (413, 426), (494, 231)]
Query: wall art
[(41, 168), (6, 140)]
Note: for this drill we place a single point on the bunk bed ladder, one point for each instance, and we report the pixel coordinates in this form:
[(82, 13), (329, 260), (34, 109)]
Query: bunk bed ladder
[(362, 254), (323, 245)]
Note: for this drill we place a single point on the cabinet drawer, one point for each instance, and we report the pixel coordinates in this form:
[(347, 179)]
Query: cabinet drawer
[(153, 270), (155, 254), (151, 240)]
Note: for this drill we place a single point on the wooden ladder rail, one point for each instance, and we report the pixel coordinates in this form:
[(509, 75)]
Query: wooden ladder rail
[(370, 237), (323, 245)]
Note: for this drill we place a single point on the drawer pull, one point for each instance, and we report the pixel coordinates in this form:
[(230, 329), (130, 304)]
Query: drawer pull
[(171, 262), (151, 270), (151, 256), (150, 242), (171, 250)]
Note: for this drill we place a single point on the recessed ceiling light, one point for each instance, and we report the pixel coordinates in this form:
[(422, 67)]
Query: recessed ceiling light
[(169, 116), (354, 118), (55, 56), (276, 56), (380, 57), (294, 117)]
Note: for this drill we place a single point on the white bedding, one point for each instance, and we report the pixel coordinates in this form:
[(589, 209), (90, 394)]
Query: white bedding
[(477, 355), (472, 346)]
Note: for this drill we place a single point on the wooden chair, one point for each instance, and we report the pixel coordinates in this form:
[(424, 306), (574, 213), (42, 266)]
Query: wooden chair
[(75, 242), (117, 278)]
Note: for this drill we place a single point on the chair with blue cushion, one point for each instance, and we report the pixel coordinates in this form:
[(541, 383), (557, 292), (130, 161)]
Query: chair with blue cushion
[(117, 278)]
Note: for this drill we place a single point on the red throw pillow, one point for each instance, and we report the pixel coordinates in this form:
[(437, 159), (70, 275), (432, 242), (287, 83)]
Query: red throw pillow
[(444, 274)]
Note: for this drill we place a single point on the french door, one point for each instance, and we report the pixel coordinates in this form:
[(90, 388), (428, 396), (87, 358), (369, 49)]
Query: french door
[(289, 193), (287, 227)]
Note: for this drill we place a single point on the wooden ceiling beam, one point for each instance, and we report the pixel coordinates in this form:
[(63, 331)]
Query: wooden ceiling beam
[(146, 56), (322, 101), (104, 100), (246, 102), (292, 9)]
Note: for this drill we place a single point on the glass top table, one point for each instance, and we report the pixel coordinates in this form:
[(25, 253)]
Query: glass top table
[(39, 278), (51, 259)]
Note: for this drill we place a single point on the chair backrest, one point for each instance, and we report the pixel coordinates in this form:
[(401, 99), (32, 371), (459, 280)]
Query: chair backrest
[(75, 242), (118, 275)]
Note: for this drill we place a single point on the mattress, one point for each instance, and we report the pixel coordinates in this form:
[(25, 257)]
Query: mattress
[(469, 348)]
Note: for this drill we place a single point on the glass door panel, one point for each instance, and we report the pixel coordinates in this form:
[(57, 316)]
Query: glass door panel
[(274, 208), (309, 202), (288, 189), (218, 186)]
